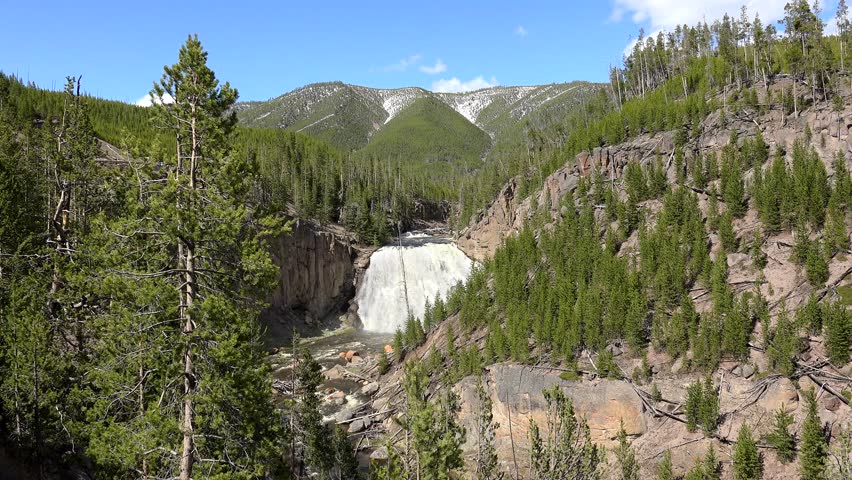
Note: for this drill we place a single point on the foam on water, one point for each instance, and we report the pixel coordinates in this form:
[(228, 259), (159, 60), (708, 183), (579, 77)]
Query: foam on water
[(433, 265)]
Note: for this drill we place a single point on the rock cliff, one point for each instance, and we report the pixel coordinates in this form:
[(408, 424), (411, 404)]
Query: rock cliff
[(316, 279)]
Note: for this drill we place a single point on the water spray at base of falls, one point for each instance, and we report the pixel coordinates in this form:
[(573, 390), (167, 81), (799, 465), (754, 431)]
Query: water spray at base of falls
[(401, 277)]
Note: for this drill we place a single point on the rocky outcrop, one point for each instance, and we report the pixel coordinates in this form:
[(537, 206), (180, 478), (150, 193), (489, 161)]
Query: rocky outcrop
[(516, 394), (316, 279), (505, 216), (316, 270)]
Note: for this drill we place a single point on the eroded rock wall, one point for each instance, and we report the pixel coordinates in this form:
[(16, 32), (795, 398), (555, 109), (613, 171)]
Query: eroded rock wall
[(316, 271)]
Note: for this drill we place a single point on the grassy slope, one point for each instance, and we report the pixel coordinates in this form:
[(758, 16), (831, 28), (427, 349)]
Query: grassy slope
[(429, 131)]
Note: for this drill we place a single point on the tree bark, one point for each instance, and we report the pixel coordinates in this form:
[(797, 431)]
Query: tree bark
[(189, 381)]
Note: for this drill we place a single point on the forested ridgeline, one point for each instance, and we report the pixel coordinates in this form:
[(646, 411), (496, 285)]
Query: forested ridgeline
[(672, 81), (372, 194)]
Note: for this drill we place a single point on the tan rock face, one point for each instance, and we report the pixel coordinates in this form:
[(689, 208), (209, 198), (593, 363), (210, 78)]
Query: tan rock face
[(516, 394), (506, 214), (782, 392)]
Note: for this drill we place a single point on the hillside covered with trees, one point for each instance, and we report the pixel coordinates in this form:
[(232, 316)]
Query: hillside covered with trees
[(133, 272)]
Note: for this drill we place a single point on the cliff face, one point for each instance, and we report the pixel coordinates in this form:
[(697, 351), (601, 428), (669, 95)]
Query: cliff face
[(316, 278), (507, 213)]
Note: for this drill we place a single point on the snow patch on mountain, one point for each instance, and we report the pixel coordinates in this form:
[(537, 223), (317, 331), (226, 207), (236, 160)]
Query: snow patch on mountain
[(398, 99), (314, 123), (471, 104)]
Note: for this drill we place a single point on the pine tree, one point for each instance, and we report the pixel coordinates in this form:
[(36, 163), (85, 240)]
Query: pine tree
[(838, 332), (398, 345), (436, 438), (803, 244), (189, 244), (311, 435), (32, 369), (726, 232), (747, 462), (709, 410), (813, 449), (428, 319), (780, 436), (842, 181), (758, 256), (568, 451), (384, 363), (784, 343), (393, 469), (628, 466), (665, 470), (344, 463), (694, 400), (841, 453), (835, 234), (711, 465), (712, 210), (733, 190), (816, 266), (809, 315), (487, 467)]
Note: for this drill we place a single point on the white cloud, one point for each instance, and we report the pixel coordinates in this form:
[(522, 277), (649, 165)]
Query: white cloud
[(830, 27), (146, 101), (439, 67), (520, 31), (454, 85), (403, 64), (667, 14)]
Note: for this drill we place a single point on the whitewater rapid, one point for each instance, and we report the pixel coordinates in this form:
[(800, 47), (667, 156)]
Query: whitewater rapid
[(433, 265)]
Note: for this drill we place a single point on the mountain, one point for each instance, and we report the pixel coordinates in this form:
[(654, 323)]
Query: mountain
[(350, 116), (429, 131)]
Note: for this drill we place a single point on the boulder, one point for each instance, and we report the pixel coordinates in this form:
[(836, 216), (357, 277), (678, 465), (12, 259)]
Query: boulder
[(370, 389), (517, 392), (782, 392), (357, 426), (831, 403), (747, 370), (348, 355), (677, 366), (344, 415), (614, 350), (356, 359), (334, 373), (379, 455)]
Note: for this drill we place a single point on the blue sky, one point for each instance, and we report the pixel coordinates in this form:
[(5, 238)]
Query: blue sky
[(268, 48)]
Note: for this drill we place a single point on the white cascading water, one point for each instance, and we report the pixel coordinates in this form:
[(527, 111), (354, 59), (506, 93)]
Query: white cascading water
[(433, 266)]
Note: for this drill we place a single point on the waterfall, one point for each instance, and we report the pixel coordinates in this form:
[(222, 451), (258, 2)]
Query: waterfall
[(433, 265)]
